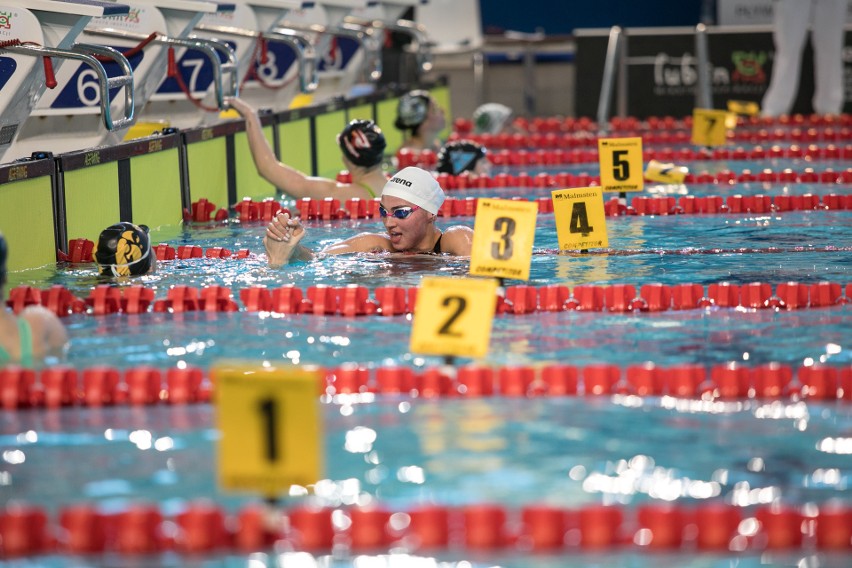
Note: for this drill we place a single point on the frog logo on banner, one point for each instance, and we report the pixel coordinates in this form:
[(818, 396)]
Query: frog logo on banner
[(271, 434), (710, 126), (503, 235), (453, 316), (580, 218), (620, 161)]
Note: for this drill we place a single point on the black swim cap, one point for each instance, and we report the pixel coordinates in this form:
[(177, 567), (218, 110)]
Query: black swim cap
[(412, 109), (363, 143), (3, 253), (460, 156), (124, 250)]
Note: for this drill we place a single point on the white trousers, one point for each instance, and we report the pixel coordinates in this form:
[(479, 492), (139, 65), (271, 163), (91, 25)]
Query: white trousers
[(792, 17)]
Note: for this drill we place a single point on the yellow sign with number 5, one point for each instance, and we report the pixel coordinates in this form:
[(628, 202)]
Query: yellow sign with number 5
[(709, 127), (503, 235), (620, 160), (271, 431), (453, 316)]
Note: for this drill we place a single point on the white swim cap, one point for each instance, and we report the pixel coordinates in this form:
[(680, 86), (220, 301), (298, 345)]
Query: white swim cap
[(416, 186), (490, 118)]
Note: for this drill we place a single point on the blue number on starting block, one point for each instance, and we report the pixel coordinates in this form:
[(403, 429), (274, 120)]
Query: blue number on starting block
[(83, 90)]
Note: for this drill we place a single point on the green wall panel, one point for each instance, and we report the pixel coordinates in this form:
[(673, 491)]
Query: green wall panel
[(328, 126), (249, 182), (155, 183), (208, 171), (361, 112), (91, 200), (26, 220), (294, 142), (385, 117)]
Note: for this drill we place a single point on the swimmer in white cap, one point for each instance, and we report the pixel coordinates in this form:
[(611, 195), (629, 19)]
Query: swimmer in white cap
[(409, 206)]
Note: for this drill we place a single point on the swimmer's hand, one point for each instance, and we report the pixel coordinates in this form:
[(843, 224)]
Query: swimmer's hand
[(239, 105), (282, 239)]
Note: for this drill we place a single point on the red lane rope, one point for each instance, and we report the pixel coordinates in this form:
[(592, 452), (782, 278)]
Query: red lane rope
[(329, 209), (205, 527), (353, 300), (133, 51), (63, 386)]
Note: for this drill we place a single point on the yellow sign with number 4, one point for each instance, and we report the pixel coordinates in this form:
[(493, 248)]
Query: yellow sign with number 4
[(453, 316), (271, 434), (580, 218), (620, 161), (503, 235)]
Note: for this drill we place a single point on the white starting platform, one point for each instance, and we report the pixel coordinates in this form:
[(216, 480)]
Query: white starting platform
[(39, 41)]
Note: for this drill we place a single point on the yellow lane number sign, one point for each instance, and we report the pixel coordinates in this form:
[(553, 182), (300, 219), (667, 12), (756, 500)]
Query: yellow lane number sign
[(580, 218), (503, 235), (270, 425), (620, 161), (453, 316)]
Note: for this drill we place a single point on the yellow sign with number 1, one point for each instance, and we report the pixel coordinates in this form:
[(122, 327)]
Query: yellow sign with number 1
[(269, 419), (453, 316), (709, 127), (503, 235), (620, 160), (580, 218)]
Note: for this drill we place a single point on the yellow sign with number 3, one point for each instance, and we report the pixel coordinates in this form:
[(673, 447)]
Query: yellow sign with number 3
[(503, 235), (453, 316), (271, 434), (620, 160), (709, 127)]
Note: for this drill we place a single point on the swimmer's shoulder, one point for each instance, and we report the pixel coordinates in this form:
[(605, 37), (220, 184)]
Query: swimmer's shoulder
[(457, 240), (362, 242)]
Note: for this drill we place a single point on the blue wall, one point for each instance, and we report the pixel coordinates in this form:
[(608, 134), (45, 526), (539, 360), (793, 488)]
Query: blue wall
[(556, 17)]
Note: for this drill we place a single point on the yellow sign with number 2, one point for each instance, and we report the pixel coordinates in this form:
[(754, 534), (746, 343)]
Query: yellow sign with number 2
[(453, 316)]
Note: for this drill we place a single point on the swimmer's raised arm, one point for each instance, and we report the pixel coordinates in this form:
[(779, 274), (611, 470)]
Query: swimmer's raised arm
[(288, 179)]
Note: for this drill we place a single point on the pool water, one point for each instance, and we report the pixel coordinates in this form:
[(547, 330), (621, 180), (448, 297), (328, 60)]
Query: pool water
[(404, 451)]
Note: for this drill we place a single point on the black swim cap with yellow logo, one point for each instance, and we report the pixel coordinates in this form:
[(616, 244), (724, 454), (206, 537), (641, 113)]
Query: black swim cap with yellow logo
[(124, 250)]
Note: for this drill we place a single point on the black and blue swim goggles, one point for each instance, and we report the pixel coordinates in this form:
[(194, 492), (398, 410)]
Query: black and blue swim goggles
[(399, 212)]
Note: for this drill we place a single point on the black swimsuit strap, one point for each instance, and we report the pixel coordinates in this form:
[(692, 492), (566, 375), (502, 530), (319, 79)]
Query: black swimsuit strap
[(437, 248)]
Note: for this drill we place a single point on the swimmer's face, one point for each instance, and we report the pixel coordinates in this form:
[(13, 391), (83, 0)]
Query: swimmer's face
[(409, 233)]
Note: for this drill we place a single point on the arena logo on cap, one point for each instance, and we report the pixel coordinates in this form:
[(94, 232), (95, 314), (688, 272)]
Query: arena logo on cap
[(399, 180)]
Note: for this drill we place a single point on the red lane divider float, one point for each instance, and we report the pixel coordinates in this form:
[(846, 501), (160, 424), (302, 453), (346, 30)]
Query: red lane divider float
[(574, 151), (666, 129), (64, 386), (330, 209), (354, 300), (205, 527)]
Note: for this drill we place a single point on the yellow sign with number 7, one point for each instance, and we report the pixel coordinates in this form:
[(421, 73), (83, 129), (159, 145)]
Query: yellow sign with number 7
[(709, 127)]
